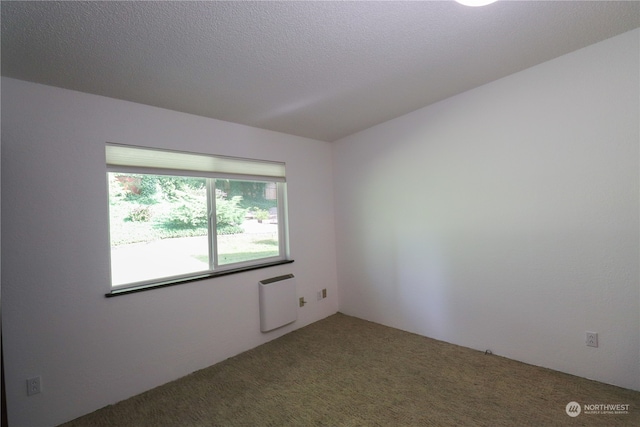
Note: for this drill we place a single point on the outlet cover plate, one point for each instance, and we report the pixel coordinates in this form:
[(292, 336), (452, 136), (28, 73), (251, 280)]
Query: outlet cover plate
[(592, 339), (34, 386)]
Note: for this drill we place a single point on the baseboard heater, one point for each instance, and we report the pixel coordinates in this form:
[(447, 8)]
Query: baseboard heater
[(278, 302)]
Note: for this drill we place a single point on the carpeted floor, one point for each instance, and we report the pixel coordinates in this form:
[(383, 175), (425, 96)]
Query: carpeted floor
[(343, 371)]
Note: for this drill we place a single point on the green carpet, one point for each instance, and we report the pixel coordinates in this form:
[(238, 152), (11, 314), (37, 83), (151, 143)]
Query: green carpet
[(343, 371)]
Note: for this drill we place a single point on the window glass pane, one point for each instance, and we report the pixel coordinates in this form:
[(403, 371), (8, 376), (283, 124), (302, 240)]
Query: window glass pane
[(246, 220), (158, 226)]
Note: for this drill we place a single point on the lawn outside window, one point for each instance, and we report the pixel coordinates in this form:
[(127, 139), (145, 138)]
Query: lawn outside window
[(176, 216)]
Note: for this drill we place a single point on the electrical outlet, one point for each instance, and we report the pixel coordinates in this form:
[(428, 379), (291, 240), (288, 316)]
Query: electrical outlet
[(592, 339), (319, 296), (324, 293), (302, 301), (34, 386)]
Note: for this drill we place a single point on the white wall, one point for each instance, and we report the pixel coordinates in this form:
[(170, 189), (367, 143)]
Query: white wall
[(505, 218), (90, 350)]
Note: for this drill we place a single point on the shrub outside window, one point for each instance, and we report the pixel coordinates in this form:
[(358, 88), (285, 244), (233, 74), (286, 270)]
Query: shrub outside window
[(178, 224)]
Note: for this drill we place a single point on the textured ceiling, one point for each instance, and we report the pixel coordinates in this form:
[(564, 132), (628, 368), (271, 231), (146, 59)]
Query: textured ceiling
[(323, 70)]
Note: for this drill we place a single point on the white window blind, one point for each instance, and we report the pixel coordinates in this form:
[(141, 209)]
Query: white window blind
[(153, 159)]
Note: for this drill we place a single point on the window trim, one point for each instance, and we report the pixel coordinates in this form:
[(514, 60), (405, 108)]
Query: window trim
[(215, 269), (194, 278)]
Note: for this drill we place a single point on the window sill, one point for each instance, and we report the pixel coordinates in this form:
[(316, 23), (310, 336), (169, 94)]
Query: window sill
[(148, 287)]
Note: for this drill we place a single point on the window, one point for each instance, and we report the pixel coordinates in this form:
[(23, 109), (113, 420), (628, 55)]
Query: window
[(177, 216)]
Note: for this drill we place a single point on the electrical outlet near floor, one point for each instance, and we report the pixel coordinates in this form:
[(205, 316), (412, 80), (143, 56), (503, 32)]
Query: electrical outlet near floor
[(592, 339), (34, 385), (321, 294)]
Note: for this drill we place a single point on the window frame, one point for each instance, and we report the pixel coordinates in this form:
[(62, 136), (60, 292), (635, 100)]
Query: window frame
[(215, 268)]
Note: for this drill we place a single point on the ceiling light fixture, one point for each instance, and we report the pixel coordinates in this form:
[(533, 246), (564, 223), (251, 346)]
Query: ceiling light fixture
[(475, 3)]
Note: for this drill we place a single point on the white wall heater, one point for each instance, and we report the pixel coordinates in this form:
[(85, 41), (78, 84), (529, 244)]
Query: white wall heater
[(278, 302)]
